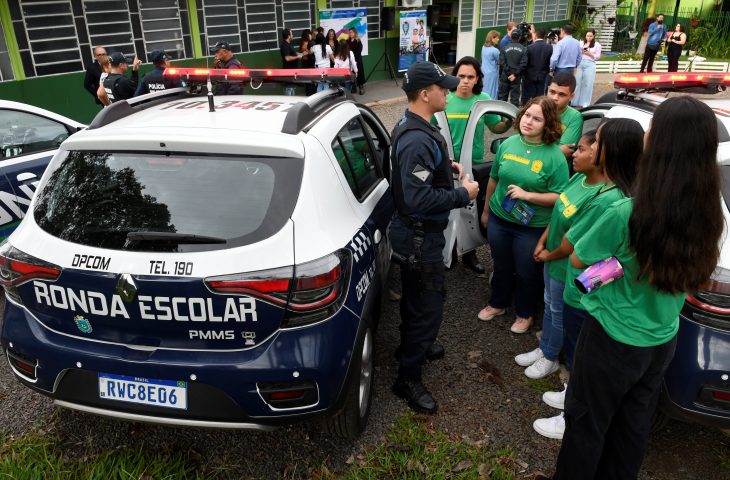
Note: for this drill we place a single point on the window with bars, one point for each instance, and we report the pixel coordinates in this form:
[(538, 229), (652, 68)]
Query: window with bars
[(109, 25), (51, 37), (262, 25), (6, 68), (297, 17), (161, 27), (221, 23), (549, 10), (466, 16)]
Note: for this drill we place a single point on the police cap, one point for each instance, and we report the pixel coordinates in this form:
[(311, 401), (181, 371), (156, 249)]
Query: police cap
[(222, 44), (158, 56), (117, 58), (424, 74), (516, 34)]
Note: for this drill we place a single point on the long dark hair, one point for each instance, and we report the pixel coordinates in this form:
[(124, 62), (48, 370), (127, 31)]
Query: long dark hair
[(320, 40), (593, 42), (677, 220), (552, 130), (620, 145), (344, 51), (477, 89)]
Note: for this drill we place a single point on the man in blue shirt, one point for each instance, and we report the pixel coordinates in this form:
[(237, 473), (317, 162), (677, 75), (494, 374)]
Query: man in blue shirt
[(507, 39), (657, 34), (566, 54)]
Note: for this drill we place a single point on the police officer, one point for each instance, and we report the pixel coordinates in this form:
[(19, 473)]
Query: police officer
[(513, 60), (155, 81), (116, 85), (424, 193), (224, 59)]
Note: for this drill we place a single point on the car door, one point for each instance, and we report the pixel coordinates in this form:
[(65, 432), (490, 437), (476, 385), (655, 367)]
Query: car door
[(28, 141), (463, 229)]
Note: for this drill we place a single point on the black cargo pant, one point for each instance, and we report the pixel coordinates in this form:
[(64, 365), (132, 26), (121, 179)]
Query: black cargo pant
[(647, 61), (611, 397), (510, 89)]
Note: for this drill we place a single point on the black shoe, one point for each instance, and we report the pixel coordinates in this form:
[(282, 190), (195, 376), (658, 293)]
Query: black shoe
[(362, 90), (419, 399), (472, 262), (435, 352)]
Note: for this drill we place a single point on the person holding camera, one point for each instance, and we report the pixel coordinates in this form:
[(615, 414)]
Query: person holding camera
[(118, 86), (512, 60)]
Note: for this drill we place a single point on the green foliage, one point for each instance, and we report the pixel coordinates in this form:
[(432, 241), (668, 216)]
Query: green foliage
[(542, 385), (37, 456), (414, 450), (700, 39)]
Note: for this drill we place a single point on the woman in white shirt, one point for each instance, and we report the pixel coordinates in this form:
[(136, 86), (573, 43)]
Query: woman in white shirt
[(322, 56), (346, 59), (586, 75)]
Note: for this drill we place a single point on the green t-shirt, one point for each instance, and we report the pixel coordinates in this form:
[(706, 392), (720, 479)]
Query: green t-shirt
[(571, 122), (566, 210), (630, 310), (583, 221), (535, 167), (457, 114)]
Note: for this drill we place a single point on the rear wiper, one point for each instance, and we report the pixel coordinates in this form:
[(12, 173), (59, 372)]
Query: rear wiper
[(171, 237)]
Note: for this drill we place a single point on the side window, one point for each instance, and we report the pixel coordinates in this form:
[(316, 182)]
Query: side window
[(380, 145), (22, 133), (356, 158)]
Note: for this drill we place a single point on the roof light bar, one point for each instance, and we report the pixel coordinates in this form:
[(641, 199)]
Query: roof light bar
[(673, 80), (277, 75)]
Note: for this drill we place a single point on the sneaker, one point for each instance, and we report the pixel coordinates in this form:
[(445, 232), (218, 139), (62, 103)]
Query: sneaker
[(556, 399), (521, 325), (527, 359), (488, 313), (542, 368), (553, 427)]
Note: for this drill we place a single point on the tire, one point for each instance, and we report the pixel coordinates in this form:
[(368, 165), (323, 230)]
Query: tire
[(350, 421)]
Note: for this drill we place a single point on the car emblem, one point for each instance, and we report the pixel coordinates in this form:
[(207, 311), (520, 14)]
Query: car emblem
[(126, 287), (83, 324), (249, 338)]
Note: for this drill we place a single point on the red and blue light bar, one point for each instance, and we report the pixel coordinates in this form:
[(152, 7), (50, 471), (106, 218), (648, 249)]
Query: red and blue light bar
[(272, 74), (672, 80)]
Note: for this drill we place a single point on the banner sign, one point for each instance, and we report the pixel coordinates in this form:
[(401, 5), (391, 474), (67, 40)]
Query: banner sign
[(342, 19), (413, 39)]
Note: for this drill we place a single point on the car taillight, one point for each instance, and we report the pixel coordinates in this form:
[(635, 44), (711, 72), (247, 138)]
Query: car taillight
[(310, 291), (710, 305), (17, 268)]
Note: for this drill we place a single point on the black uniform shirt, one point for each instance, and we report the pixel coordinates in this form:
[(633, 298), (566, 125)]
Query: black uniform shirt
[(228, 88), (118, 87), (287, 50), (513, 59)]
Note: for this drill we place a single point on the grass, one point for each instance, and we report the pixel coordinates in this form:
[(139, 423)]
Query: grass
[(542, 385), (37, 456), (413, 449)]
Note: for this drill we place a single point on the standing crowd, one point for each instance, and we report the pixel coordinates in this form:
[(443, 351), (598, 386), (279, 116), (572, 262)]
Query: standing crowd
[(556, 202)]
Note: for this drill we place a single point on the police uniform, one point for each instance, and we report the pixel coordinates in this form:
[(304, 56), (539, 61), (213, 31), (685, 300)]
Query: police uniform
[(424, 194), (155, 81), (231, 63), (117, 86), (513, 60)]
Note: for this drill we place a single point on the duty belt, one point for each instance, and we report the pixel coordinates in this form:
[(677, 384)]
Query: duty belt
[(428, 226)]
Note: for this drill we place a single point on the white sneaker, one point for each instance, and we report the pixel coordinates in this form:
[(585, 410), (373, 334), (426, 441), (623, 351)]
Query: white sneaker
[(556, 399), (527, 359), (542, 368), (553, 427)]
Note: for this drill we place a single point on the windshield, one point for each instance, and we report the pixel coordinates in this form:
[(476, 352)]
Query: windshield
[(173, 202)]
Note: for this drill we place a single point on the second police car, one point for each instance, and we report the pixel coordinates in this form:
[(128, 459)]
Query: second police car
[(215, 268)]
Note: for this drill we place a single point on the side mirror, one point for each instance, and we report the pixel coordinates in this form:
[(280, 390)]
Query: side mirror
[(495, 145)]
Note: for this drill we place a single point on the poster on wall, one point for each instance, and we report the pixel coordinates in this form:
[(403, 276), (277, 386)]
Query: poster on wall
[(413, 38), (341, 20)]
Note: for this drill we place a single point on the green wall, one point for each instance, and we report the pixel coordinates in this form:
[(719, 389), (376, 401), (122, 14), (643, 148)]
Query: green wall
[(65, 94)]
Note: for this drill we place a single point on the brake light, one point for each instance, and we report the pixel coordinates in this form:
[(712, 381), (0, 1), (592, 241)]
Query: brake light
[(671, 80), (17, 268), (721, 395), (236, 75), (710, 305), (310, 291)]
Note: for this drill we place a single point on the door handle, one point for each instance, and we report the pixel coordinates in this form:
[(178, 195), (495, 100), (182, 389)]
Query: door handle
[(377, 237)]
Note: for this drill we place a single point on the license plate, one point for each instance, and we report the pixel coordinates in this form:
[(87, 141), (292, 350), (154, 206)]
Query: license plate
[(145, 391)]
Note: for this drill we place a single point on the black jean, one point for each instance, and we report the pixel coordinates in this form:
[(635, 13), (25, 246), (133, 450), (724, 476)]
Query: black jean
[(648, 60), (573, 319), (510, 89), (611, 397), (532, 89)]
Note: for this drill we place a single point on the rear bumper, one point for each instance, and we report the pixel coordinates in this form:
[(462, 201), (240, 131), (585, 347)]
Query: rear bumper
[(701, 365), (223, 387)]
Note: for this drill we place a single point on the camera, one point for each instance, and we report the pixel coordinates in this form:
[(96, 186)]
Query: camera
[(525, 36), (554, 35)]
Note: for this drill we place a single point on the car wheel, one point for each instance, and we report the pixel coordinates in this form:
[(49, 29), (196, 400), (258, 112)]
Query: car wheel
[(350, 421)]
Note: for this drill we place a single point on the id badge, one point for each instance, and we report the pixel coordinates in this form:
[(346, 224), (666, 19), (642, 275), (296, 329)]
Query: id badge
[(508, 204), (523, 213)]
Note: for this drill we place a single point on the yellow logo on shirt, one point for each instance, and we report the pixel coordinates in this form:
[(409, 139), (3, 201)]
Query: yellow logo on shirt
[(515, 158), (568, 212), (563, 127), (564, 199), (536, 166)]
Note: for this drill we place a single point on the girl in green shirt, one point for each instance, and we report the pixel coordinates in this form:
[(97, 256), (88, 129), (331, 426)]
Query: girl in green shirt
[(666, 238)]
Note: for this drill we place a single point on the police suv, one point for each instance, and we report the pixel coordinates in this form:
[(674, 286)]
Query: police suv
[(213, 262)]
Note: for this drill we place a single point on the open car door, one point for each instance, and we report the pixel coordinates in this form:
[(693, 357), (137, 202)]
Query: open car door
[(463, 229)]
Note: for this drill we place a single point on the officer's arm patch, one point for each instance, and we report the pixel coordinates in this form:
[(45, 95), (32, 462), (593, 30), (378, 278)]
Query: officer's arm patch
[(421, 173)]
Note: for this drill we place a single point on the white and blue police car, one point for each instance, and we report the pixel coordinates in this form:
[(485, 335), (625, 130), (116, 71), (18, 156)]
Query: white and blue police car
[(213, 262)]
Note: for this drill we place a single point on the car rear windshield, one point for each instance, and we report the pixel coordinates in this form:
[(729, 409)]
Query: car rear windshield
[(167, 202)]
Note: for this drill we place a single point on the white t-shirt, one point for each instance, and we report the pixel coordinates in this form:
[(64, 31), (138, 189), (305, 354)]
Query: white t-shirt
[(319, 60), (349, 63)]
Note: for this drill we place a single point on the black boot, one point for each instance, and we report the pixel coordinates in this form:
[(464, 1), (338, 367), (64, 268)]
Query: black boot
[(472, 262), (362, 90), (419, 399)]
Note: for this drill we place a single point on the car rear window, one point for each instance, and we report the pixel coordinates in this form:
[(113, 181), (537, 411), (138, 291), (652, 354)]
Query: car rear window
[(106, 199)]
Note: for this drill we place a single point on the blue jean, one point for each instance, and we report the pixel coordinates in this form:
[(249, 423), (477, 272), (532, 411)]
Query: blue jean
[(290, 91), (515, 270), (322, 86), (564, 69), (573, 319), (584, 79), (551, 341)]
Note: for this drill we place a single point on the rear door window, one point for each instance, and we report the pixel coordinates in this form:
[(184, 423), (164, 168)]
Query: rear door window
[(119, 200), (354, 154), (22, 133)]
